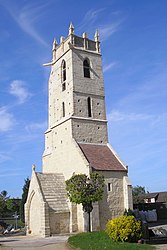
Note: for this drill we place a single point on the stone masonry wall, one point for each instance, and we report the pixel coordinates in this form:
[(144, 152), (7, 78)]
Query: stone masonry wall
[(36, 210), (96, 131), (62, 154), (59, 222), (112, 204), (56, 95)]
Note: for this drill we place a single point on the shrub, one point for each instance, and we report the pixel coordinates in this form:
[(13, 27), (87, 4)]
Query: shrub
[(124, 228), (128, 212)]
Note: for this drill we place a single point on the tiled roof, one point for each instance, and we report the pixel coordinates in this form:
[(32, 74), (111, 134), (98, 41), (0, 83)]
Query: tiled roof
[(53, 190), (159, 196), (149, 195), (101, 157), (162, 197)]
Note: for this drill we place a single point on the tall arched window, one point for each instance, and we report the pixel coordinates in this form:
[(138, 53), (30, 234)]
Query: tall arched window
[(86, 68), (89, 107), (63, 109), (63, 75)]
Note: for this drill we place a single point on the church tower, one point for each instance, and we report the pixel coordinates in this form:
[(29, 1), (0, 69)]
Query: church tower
[(76, 141), (76, 97)]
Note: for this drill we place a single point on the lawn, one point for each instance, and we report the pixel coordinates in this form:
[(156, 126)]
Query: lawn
[(101, 241)]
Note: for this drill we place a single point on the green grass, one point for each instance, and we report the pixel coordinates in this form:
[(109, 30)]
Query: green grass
[(101, 241)]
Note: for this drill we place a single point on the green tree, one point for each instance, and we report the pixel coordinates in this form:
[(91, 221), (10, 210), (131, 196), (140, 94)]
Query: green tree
[(138, 192), (24, 197), (84, 190), (13, 205), (3, 199)]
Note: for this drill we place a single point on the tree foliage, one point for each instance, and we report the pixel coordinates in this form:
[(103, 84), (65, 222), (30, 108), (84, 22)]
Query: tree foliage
[(8, 206), (138, 192), (3, 198), (13, 205), (82, 189), (24, 197)]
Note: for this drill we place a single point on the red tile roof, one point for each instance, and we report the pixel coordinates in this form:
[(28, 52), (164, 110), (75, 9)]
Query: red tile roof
[(101, 157)]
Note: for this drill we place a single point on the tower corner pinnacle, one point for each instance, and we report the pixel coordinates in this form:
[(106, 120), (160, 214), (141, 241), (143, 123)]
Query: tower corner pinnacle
[(55, 44), (33, 167), (71, 29), (85, 35), (96, 36), (97, 40), (54, 47)]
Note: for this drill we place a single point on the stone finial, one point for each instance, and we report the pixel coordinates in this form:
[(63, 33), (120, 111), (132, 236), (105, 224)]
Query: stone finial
[(71, 29), (54, 49), (85, 35), (54, 44), (33, 167), (61, 39), (96, 36), (97, 40)]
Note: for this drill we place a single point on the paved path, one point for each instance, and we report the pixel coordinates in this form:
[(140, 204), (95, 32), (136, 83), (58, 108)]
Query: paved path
[(161, 247), (58, 242), (34, 243)]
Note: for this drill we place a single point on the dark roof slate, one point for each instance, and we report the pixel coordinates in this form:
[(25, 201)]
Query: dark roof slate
[(101, 157)]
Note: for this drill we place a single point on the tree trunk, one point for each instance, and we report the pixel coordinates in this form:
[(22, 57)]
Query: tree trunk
[(89, 226)]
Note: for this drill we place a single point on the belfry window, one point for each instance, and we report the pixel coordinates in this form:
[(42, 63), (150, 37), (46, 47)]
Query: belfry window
[(63, 109), (86, 68), (63, 75), (89, 107)]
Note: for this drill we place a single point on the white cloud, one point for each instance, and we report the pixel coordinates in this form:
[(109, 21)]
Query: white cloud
[(18, 89), (109, 66), (26, 17), (107, 30), (89, 18), (6, 120), (150, 93), (4, 157), (94, 19), (36, 126), (116, 116)]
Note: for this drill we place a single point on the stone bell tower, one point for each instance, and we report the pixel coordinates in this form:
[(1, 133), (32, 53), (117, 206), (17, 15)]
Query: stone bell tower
[(76, 142), (76, 98)]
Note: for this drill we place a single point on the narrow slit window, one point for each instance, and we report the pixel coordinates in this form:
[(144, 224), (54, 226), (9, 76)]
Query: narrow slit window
[(109, 187), (86, 67), (63, 107), (89, 107), (63, 75)]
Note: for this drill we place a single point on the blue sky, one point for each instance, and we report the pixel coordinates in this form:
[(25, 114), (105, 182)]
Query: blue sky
[(134, 52)]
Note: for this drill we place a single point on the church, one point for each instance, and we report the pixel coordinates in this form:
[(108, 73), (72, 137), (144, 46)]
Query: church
[(76, 141)]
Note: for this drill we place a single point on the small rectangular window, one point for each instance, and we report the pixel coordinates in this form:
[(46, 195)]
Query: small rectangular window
[(89, 107), (109, 187), (63, 107)]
